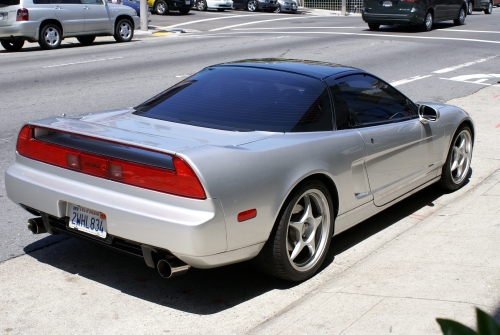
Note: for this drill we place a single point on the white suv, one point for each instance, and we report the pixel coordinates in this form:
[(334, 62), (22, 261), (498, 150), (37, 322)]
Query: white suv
[(48, 22)]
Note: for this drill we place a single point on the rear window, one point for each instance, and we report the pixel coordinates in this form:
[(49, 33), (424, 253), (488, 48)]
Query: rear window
[(9, 3), (245, 99)]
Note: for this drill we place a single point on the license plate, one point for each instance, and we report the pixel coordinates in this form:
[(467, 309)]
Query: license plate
[(387, 4), (87, 220), (188, 2)]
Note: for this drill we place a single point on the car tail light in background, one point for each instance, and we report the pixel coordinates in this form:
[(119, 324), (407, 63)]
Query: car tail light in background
[(182, 182), (23, 14)]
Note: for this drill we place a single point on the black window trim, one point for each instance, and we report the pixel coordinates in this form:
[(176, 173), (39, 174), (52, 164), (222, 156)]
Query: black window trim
[(369, 124)]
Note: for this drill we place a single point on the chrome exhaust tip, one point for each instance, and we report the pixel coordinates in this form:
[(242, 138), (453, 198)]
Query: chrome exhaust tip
[(172, 267), (36, 226)]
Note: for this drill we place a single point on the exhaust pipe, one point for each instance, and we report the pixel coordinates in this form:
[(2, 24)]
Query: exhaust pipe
[(172, 267), (36, 226)]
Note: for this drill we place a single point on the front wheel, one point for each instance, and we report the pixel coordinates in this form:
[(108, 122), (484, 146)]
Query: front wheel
[(86, 40), (373, 26), (428, 22), (252, 5), (50, 37), (457, 165), (161, 7), (12, 45), (470, 7), (300, 239), (461, 18), (124, 31), (489, 10)]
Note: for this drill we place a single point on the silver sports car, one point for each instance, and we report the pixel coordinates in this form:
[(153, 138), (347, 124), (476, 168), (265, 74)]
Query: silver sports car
[(257, 159)]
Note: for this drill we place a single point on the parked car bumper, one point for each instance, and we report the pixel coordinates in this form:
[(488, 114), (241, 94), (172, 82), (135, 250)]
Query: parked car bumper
[(27, 30), (192, 230), (414, 18), (288, 8), (219, 4), (268, 5)]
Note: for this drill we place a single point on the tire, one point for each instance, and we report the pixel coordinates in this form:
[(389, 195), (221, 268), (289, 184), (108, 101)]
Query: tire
[(457, 165), (470, 7), (428, 22), (278, 10), (161, 7), (489, 10), (252, 5), (461, 18), (300, 238), (50, 37), (124, 31), (184, 11), (86, 40), (201, 5), (373, 26), (221, 9), (12, 45)]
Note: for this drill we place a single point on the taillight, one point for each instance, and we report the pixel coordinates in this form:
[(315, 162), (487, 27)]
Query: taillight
[(23, 14), (183, 181)]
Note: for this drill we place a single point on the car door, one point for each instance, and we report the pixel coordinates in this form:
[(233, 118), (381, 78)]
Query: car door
[(400, 150), (97, 16), (70, 13)]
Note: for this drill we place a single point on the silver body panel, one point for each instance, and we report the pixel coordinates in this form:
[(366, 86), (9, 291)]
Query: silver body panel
[(75, 19), (239, 171)]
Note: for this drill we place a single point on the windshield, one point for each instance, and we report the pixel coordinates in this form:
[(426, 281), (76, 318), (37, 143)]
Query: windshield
[(245, 99)]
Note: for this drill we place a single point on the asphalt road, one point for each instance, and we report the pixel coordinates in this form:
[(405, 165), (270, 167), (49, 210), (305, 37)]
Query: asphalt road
[(35, 83)]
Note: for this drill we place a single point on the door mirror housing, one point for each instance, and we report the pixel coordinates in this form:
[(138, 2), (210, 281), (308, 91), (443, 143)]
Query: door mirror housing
[(427, 113)]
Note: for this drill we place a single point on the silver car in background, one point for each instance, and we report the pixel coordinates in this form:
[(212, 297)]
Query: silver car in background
[(48, 22)]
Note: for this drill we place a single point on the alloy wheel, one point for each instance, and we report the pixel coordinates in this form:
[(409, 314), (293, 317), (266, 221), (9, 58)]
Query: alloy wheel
[(125, 30), (52, 37), (461, 157)]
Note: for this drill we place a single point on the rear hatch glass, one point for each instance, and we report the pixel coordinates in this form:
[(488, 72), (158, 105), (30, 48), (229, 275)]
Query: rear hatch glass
[(4, 3), (244, 99)]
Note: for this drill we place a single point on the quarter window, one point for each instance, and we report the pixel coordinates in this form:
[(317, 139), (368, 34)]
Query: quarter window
[(370, 100)]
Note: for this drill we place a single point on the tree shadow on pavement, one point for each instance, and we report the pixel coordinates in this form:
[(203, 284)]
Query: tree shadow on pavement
[(199, 291)]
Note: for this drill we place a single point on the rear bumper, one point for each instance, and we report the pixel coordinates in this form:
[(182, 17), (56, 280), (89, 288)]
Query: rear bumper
[(189, 229), (415, 18), (20, 31)]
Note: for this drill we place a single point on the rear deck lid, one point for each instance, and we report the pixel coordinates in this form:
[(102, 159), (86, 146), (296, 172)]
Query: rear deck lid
[(8, 11)]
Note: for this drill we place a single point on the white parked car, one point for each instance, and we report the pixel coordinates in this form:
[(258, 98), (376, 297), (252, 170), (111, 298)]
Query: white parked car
[(48, 22), (220, 5)]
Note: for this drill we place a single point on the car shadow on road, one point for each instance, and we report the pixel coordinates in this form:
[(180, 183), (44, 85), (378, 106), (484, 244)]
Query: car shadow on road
[(414, 29), (199, 291), (32, 47)]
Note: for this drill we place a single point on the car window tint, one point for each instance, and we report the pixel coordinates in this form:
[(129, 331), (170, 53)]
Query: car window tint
[(42, 2), (371, 100), (241, 98), (10, 2), (91, 2)]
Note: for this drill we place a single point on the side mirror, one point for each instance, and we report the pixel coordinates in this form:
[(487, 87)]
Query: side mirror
[(427, 113)]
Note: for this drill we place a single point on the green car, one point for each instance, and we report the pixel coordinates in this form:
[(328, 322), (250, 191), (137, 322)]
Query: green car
[(422, 13)]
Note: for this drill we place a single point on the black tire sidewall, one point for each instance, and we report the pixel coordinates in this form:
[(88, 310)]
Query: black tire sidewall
[(118, 37), (12, 46), (294, 274), (45, 45), (166, 7)]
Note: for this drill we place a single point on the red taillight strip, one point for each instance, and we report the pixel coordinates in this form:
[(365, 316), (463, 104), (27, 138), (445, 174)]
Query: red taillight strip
[(183, 181), (23, 14)]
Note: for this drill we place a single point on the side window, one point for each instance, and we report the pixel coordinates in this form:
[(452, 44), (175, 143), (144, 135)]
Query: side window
[(370, 100), (41, 2), (91, 2)]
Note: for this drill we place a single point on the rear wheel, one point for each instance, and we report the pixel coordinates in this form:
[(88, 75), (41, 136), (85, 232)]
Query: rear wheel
[(201, 5), (470, 7), (50, 37), (86, 40), (428, 21), (461, 18), (489, 10), (457, 165), (124, 31), (278, 10), (161, 7), (252, 5), (301, 237), (12, 45), (373, 26)]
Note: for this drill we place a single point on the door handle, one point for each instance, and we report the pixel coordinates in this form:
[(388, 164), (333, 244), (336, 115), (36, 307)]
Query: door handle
[(57, 7), (85, 7)]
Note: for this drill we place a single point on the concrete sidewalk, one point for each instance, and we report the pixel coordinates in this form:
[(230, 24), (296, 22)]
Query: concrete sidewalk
[(433, 255)]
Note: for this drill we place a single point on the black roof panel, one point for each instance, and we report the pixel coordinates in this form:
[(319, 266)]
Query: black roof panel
[(315, 69)]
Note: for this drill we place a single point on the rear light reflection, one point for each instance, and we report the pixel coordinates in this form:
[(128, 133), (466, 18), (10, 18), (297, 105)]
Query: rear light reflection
[(183, 181)]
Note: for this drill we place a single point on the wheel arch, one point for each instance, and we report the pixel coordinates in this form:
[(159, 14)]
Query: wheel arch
[(53, 21), (123, 16)]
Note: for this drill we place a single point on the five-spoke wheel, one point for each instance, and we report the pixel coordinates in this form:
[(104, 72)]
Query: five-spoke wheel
[(457, 165), (50, 36), (124, 31)]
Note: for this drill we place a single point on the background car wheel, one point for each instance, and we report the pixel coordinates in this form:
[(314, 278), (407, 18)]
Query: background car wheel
[(489, 10), (221, 9), (12, 45), (470, 7), (161, 7), (457, 165), (278, 10), (252, 5), (301, 237), (124, 31), (461, 18), (50, 37), (373, 26), (428, 22), (184, 11), (86, 40)]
